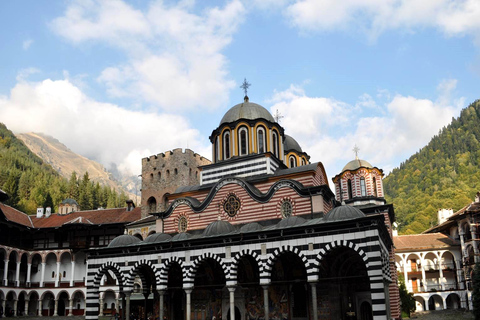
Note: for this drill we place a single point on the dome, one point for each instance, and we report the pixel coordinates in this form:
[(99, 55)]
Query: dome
[(291, 144), (218, 227), (70, 202), (357, 163), (158, 237), (291, 221), (344, 213), (251, 227), (123, 240), (181, 236), (246, 110)]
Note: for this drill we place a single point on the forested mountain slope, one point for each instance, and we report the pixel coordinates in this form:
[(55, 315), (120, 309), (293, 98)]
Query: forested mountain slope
[(444, 174), (32, 183)]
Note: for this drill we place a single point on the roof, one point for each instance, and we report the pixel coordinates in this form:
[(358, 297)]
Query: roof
[(246, 110), (357, 163), (423, 241), (344, 213), (291, 144), (69, 201), (16, 216), (123, 240)]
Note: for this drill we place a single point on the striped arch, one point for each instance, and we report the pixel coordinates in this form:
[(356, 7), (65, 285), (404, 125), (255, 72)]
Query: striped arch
[(115, 268), (166, 268), (134, 271), (337, 244), (238, 256), (267, 272), (193, 270)]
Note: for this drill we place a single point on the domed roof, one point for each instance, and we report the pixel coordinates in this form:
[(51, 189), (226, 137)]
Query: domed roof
[(158, 237), (69, 201), (181, 236), (357, 163), (251, 227), (246, 110), (291, 144), (218, 227), (290, 222), (123, 240), (344, 213)]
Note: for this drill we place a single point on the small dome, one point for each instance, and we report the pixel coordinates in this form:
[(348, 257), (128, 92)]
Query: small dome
[(70, 202), (123, 240), (343, 213), (218, 227), (357, 163), (291, 144), (181, 236), (291, 221), (158, 237), (251, 227), (246, 110)]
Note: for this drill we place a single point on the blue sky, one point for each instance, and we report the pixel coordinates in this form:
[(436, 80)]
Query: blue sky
[(120, 80)]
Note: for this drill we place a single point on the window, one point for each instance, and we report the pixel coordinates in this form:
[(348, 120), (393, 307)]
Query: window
[(182, 224), (215, 151), (374, 181), (176, 171), (340, 190), (226, 145), (243, 141), (303, 162), (152, 205), (363, 187), (349, 186), (261, 140), (231, 205), (275, 143), (286, 208), (293, 161)]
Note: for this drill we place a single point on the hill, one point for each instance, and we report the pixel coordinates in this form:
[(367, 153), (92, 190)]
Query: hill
[(443, 174), (32, 183)]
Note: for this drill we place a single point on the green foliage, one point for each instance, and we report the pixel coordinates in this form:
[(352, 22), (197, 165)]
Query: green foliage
[(444, 174), (476, 291), (31, 183), (406, 298)]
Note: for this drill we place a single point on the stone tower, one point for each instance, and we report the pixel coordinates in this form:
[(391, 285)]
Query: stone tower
[(163, 173)]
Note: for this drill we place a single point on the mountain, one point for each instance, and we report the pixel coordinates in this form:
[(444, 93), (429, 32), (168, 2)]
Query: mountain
[(445, 174), (66, 161)]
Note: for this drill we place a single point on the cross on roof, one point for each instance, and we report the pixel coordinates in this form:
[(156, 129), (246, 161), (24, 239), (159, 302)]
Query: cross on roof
[(356, 149), (245, 86), (278, 116)]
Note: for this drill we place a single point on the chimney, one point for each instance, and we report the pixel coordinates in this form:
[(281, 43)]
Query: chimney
[(39, 212), (130, 205), (48, 212)]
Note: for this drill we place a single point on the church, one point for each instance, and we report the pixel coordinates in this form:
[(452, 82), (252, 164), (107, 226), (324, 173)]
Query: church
[(256, 233)]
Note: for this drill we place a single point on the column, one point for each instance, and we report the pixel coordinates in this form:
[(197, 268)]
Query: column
[(189, 303), (42, 278), (425, 288), (231, 290), (100, 307), (57, 275), (458, 273), (72, 276), (17, 275), (440, 274), (314, 300), (55, 310), (160, 303), (117, 306), (70, 307), (5, 273), (26, 307), (29, 271), (127, 305), (405, 272), (15, 303), (39, 307), (265, 303)]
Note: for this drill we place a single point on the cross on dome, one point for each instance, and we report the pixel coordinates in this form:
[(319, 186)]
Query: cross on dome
[(278, 116), (356, 149), (245, 86)]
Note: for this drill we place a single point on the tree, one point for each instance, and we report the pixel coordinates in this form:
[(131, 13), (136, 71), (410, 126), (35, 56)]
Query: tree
[(406, 298), (476, 291)]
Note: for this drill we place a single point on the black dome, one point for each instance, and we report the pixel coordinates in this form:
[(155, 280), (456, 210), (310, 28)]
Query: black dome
[(158, 237), (123, 240), (218, 227), (344, 213), (246, 110), (181, 236), (290, 222), (291, 144), (251, 227)]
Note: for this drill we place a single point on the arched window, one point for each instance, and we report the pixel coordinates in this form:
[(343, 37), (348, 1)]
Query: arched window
[(374, 181), (243, 141), (349, 186), (340, 190), (152, 205), (293, 161), (363, 187), (275, 143), (261, 140), (226, 145), (215, 150), (303, 162)]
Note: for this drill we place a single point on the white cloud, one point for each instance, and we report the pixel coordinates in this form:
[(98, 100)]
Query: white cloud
[(452, 17), (23, 74), (101, 131), (328, 129), (27, 43), (175, 60)]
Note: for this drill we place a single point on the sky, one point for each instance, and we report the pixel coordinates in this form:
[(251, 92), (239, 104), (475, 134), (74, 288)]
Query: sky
[(117, 81)]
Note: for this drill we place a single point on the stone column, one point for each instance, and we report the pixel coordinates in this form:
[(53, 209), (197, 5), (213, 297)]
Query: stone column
[(15, 304), (4, 304), (57, 276), (440, 275), (458, 274), (26, 307), (42, 277), (265, 302), (189, 303), (39, 307), (314, 300), (127, 305), (29, 271), (17, 275), (55, 310), (70, 307), (117, 306), (231, 290), (161, 294), (425, 288), (100, 307), (72, 276), (405, 271), (5, 272)]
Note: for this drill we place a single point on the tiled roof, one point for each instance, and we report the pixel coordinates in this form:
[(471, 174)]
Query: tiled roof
[(105, 216), (423, 241), (16, 216), (147, 219)]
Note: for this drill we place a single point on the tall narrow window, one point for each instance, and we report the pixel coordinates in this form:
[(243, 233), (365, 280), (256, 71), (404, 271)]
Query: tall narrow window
[(363, 187), (226, 145), (243, 138), (215, 150), (340, 189), (349, 186), (261, 140), (303, 162), (374, 181), (293, 161), (275, 143)]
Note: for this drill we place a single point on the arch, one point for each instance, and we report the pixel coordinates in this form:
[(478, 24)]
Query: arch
[(261, 140), (109, 266), (453, 301), (243, 145), (48, 292), (166, 268), (151, 232), (152, 205), (275, 144), (143, 268), (340, 243), (62, 303), (139, 236), (60, 292), (227, 152), (240, 255), (198, 261), (272, 259), (292, 161), (435, 302), (419, 303)]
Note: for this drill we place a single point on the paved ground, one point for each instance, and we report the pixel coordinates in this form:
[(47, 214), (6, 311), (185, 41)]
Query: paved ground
[(443, 315)]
